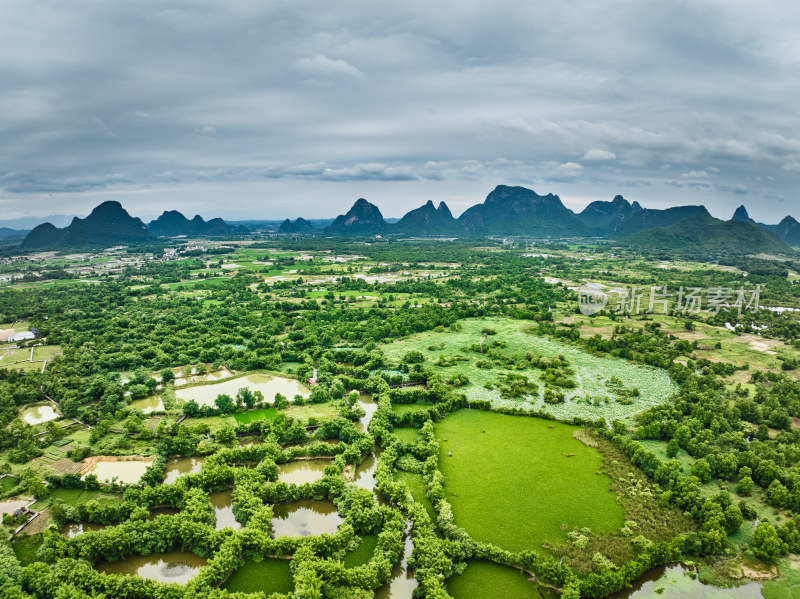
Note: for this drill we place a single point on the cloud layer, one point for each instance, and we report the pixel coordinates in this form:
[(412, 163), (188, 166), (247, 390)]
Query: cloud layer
[(269, 110)]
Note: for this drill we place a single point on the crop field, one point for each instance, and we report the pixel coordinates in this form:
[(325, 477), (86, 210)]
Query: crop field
[(486, 580), (517, 482), (592, 398)]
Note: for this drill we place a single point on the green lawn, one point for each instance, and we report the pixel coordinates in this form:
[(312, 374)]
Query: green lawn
[(363, 553), (406, 433), (486, 580), (517, 481), (268, 576), (416, 485)]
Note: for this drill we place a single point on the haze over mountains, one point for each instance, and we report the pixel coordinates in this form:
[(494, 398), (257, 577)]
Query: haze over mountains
[(506, 211)]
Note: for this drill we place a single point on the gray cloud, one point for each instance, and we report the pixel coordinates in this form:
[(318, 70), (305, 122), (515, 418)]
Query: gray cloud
[(260, 109)]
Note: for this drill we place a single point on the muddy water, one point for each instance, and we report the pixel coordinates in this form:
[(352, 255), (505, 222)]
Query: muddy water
[(39, 414), (124, 472), (77, 528), (177, 467), (149, 404), (402, 583), (302, 471), (223, 508), (305, 518), (672, 582), (223, 373), (250, 441), (370, 407), (175, 566), (365, 471), (268, 384)]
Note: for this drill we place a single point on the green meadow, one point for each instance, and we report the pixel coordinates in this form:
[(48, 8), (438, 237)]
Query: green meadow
[(487, 580), (518, 482)]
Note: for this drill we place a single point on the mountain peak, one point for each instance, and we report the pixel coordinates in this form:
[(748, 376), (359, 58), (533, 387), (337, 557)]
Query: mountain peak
[(741, 214), (362, 219), (444, 210)]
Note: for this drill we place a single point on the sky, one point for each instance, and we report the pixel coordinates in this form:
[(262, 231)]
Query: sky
[(286, 108)]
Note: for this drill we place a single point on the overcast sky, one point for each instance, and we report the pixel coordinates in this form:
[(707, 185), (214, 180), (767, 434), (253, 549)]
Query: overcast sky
[(286, 108)]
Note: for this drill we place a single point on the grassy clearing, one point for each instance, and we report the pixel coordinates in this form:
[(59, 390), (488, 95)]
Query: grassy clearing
[(248, 417), (518, 482), (363, 553), (25, 548), (592, 398), (408, 434), (486, 580), (267, 576), (416, 485)]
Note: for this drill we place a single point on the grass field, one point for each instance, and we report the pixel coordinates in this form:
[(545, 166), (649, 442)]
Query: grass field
[(267, 576), (486, 580), (591, 373), (252, 416), (363, 553), (407, 433), (416, 485), (517, 481), (25, 548)]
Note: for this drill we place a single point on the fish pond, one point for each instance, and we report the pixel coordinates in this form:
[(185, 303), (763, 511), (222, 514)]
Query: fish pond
[(300, 472), (305, 518), (34, 415), (175, 566)]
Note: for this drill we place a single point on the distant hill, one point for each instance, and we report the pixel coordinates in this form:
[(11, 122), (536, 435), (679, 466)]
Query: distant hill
[(26, 223), (7, 234), (173, 224), (649, 218), (107, 225), (301, 225), (702, 236), (521, 211), (606, 217), (428, 220), (362, 219), (788, 229)]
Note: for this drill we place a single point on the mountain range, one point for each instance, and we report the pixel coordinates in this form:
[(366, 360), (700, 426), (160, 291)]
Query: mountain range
[(110, 224), (506, 210), (174, 224)]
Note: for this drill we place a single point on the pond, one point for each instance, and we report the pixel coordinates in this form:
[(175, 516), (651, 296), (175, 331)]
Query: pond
[(175, 566), (34, 415), (177, 467), (402, 583), (222, 373), (302, 471), (268, 384), (305, 518), (223, 510), (125, 472), (77, 528), (250, 441), (364, 475), (673, 582), (149, 404)]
